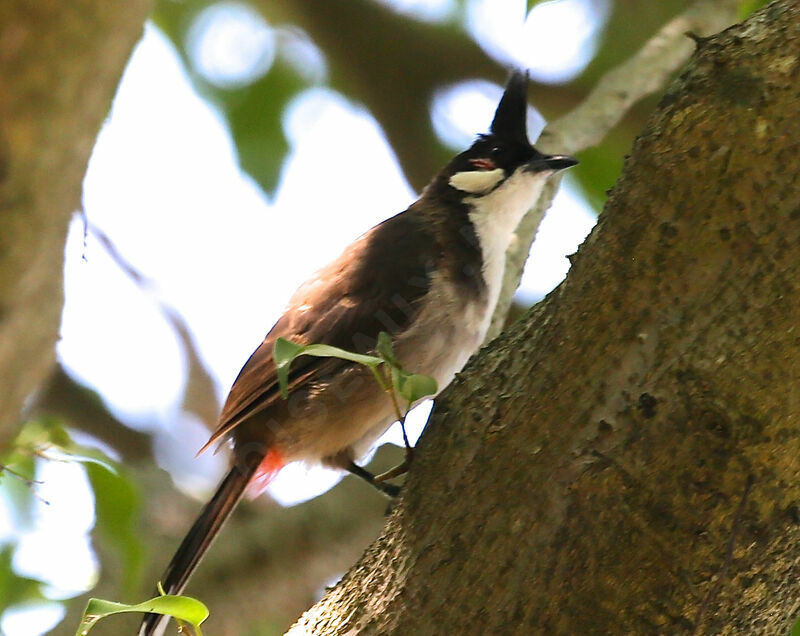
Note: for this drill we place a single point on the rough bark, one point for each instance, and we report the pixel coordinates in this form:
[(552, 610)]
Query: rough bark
[(585, 126), (60, 63), (627, 459)]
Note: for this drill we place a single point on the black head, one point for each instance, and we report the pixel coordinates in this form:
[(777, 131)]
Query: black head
[(495, 156)]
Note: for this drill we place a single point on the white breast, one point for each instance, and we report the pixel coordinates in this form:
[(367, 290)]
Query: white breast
[(450, 327), (496, 217)]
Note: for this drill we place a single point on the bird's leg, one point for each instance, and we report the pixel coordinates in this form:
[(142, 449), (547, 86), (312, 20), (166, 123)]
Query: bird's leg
[(400, 469), (390, 490)]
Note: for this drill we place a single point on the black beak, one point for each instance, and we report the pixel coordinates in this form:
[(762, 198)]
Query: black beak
[(550, 162)]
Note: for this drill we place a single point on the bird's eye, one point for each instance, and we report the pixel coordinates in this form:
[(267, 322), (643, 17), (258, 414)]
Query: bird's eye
[(496, 151)]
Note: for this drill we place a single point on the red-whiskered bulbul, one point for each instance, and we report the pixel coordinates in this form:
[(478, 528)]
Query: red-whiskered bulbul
[(429, 276)]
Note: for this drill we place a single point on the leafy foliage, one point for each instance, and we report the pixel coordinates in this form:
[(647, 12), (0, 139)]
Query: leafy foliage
[(253, 111), (16, 482), (116, 502), (410, 386), (16, 488), (600, 171), (15, 589), (117, 507), (529, 4), (48, 439), (746, 7), (286, 351)]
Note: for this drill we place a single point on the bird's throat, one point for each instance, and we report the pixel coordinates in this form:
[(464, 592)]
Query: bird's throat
[(496, 217)]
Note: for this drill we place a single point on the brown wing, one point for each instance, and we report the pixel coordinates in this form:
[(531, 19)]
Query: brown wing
[(375, 285)]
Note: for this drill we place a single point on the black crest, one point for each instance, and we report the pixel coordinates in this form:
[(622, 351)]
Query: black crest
[(510, 118)]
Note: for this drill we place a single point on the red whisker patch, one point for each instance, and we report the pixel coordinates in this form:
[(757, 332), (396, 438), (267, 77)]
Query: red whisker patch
[(483, 164)]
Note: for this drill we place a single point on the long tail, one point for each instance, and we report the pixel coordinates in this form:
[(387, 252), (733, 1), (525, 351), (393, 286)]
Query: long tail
[(199, 538)]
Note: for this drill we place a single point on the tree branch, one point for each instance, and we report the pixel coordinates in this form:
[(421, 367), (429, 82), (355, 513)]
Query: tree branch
[(60, 63), (200, 395), (615, 94), (84, 410)]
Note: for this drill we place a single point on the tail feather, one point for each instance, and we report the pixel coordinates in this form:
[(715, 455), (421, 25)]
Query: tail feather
[(199, 538)]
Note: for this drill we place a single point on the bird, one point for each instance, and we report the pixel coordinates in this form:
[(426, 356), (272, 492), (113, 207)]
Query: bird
[(429, 276)]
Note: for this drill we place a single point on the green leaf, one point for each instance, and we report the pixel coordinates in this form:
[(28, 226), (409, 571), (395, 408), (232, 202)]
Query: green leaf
[(41, 433), (80, 455), (746, 7), (46, 437), (183, 608), (254, 112), (601, 167), (530, 4), (327, 351), (15, 589), (414, 386), (285, 352), (117, 505), (385, 350), (796, 628), (411, 386)]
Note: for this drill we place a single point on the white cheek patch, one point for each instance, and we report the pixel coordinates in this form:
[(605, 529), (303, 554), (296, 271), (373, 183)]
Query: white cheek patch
[(477, 181)]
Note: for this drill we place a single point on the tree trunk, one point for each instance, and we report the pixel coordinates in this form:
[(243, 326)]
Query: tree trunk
[(627, 459), (60, 63)]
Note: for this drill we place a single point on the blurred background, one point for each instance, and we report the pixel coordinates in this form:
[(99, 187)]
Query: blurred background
[(248, 143)]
